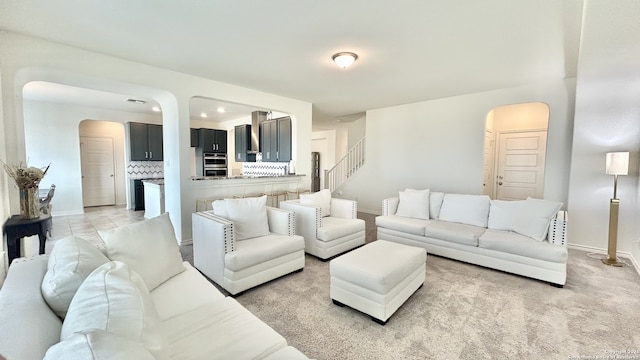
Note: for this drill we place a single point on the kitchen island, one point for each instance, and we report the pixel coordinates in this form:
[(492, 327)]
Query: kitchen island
[(153, 197), (277, 188)]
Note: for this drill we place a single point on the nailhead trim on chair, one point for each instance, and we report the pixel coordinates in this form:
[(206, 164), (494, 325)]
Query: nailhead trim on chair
[(292, 223)]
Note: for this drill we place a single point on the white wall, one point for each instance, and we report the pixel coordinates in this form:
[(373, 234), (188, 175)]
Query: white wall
[(439, 144), (49, 125), (607, 118), (24, 59)]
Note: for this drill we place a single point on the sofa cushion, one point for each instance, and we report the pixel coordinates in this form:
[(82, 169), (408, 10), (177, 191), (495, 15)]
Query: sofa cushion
[(322, 199), (403, 224), (454, 232), (413, 204), (514, 243), (333, 228), (221, 330), (435, 204), (149, 247), (249, 216), (97, 345), (527, 217), (70, 262), (465, 209), (258, 250), (183, 292), (219, 208), (115, 299)]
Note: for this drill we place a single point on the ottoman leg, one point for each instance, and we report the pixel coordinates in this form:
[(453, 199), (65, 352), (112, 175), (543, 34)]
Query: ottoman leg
[(379, 321), (336, 302)]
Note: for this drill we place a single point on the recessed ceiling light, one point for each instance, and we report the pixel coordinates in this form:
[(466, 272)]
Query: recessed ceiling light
[(203, 115), (344, 59), (136, 101), (221, 110), (156, 108)]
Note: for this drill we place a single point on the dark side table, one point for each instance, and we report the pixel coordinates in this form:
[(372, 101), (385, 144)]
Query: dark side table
[(16, 228)]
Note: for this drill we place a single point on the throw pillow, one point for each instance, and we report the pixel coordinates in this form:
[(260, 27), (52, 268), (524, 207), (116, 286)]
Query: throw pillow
[(529, 217), (115, 299), (97, 345), (435, 204), (465, 209), (414, 204), (219, 208), (70, 262), (249, 216), (321, 199), (149, 247)]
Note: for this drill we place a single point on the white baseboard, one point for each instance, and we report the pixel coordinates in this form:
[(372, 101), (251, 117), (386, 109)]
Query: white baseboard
[(622, 254), (65, 213)]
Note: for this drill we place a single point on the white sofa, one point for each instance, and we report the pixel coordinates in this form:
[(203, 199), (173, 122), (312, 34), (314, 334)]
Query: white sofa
[(109, 313), (223, 253), (330, 226), (525, 237)]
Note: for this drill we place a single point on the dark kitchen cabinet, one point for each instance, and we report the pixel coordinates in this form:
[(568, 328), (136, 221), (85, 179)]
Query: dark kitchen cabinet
[(195, 138), (213, 141), (138, 195), (275, 140), (145, 142), (243, 144)]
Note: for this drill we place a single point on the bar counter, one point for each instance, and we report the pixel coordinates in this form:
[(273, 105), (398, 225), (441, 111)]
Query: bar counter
[(206, 189)]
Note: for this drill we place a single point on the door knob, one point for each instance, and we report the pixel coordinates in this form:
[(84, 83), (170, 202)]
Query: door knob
[(500, 183)]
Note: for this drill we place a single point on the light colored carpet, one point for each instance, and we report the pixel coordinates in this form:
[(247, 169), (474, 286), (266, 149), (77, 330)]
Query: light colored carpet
[(462, 312)]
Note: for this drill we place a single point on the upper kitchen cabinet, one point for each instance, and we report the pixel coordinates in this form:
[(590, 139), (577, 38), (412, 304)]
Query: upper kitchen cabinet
[(145, 142), (275, 139), (213, 141), (243, 144), (195, 138)]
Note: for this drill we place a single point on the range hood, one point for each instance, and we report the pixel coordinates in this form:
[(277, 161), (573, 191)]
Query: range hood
[(257, 117)]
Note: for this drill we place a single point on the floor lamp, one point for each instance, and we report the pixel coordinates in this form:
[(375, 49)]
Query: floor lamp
[(617, 164)]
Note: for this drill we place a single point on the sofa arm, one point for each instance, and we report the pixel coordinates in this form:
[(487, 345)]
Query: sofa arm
[(343, 208), (390, 206), (213, 238), (28, 327), (558, 228), (307, 218), (281, 221)]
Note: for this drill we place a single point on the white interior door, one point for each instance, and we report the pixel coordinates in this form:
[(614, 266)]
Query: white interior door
[(488, 179), (98, 170), (520, 170)]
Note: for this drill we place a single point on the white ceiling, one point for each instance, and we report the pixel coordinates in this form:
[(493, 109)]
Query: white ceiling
[(409, 50)]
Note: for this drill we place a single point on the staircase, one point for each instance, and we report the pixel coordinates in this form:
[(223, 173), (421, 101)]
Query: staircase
[(335, 177)]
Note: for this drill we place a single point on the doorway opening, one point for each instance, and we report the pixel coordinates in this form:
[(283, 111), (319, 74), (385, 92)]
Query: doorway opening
[(515, 150), (102, 163)]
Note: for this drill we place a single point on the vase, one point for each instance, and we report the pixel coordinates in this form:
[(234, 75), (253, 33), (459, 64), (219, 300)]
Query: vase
[(29, 203)]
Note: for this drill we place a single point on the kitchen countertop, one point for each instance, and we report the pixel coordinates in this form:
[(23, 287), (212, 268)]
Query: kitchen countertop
[(153, 181), (241, 177)]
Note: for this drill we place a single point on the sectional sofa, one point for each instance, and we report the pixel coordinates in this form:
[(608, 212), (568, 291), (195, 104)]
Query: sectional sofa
[(526, 237), (134, 299)]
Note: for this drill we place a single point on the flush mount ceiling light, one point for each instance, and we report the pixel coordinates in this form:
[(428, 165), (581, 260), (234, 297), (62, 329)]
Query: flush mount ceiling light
[(221, 110), (203, 115), (344, 59), (156, 109)]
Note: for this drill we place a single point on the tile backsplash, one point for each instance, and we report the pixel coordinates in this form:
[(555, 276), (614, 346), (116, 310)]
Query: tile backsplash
[(265, 168), (145, 170)]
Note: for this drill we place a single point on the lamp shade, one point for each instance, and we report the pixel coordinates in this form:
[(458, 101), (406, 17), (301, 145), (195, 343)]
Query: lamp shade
[(618, 163)]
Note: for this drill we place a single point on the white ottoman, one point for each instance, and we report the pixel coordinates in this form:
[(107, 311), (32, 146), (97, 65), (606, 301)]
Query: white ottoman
[(377, 278)]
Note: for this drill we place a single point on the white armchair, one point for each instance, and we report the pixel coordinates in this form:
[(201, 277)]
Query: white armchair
[(238, 265), (327, 236)]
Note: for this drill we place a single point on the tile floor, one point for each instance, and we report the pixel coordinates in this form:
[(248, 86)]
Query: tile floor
[(87, 225)]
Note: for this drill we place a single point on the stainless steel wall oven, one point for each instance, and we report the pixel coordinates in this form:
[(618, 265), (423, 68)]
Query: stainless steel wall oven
[(214, 164)]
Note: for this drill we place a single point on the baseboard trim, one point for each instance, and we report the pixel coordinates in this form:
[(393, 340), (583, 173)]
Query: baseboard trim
[(602, 251), (65, 213)]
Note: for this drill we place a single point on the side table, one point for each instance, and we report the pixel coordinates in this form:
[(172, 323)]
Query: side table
[(16, 228)]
